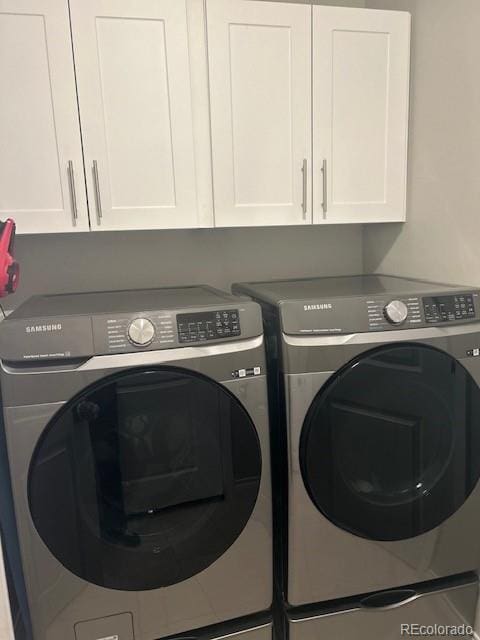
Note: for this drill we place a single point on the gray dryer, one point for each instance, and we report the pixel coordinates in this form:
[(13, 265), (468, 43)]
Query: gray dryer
[(376, 380)]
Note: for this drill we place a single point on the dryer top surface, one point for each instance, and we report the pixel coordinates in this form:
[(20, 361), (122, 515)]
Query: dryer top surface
[(277, 291)]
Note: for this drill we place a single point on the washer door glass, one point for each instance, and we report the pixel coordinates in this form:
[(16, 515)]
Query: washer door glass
[(145, 479), (390, 446)]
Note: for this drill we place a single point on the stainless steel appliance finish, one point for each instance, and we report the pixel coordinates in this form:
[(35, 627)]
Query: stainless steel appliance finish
[(353, 304), (257, 627), (435, 613), (381, 427), (137, 434)]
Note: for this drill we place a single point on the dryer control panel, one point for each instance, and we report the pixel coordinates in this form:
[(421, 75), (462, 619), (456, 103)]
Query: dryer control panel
[(380, 312), (410, 312), (449, 308), (363, 303)]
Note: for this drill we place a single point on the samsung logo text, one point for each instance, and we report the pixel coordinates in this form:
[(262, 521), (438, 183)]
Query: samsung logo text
[(321, 306), (43, 328)]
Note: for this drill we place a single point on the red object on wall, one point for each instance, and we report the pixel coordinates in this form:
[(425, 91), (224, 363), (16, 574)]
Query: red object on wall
[(9, 267)]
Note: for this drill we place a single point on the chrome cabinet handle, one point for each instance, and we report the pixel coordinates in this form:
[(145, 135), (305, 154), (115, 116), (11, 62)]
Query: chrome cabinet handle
[(73, 195), (98, 199), (324, 178), (304, 188)]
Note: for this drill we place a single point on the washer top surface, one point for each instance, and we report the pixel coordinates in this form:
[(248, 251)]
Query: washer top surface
[(356, 304), (77, 304)]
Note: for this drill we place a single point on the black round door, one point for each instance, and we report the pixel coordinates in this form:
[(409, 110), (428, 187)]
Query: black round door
[(145, 478), (390, 447)]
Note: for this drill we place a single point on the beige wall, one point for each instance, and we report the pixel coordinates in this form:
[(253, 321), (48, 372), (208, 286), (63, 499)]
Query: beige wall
[(441, 240), (336, 3)]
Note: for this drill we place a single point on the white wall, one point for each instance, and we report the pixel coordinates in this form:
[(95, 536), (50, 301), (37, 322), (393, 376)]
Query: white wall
[(122, 260), (441, 240)]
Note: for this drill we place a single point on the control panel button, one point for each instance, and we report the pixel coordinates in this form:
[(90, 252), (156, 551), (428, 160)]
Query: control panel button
[(208, 325), (396, 312), (141, 332), (449, 308)]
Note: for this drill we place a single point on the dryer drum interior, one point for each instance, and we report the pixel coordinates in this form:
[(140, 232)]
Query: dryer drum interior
[(145, 478), (390, 447)]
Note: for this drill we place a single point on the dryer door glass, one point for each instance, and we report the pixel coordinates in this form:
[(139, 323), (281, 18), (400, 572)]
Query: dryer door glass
[(154, 474), (390, 447)]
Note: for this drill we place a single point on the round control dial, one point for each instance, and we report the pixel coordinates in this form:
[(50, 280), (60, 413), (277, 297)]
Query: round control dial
[(396, 312), (141, 332)]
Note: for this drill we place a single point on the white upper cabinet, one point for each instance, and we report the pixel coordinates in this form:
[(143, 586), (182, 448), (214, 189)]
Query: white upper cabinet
[(260, 98), (41, 169), (296, 115), (360, 114), (135, 97)]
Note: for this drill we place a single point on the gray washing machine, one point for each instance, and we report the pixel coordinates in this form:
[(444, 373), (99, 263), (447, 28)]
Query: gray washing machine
[(377, 383), (137, 434)]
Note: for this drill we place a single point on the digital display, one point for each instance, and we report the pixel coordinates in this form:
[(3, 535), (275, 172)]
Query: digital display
[(208, 325), (449, 308)]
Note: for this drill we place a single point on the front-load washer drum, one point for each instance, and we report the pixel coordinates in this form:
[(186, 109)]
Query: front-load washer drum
[(145, 478), (390, 447)]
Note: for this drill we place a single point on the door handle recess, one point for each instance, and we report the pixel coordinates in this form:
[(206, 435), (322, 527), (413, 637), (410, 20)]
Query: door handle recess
[(324, 181), (304, 188), (389, 599), (73, 195), (98, 199)]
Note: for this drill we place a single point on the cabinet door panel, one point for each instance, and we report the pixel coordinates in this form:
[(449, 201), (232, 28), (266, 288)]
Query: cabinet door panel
[(259, 59), (132, 62), (39, 127), (360, 114)]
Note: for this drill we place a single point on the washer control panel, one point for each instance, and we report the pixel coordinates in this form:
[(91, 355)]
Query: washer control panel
[(208, 325), (384, 313), (120, 325), (396, 312), (150, 330), (125, 333), (448, 308), (141, 331)]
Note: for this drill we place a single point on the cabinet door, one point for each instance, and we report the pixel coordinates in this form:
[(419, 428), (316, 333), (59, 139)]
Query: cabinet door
[(260, 88), (41, 167), (132, 64), (360, 114)]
